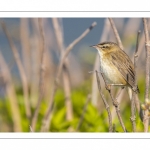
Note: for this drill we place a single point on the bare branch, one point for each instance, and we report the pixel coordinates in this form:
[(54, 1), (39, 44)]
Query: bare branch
[(65, 72), (42, 75), (10, 89), (69, 48), (24, 37), (116, 33), (115, 103), (83, 112), (147, 44), (105, 103), (58, 34), (133, 100), (46, 121), (21, 70)]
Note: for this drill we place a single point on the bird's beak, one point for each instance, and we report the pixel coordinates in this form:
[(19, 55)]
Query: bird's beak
[(93, 46)]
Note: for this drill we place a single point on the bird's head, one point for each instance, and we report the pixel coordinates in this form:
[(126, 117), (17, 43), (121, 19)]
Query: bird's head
[(106, 47)]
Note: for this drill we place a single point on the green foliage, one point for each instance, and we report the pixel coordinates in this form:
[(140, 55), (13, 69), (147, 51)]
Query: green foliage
[(94, 120), (5, 116)]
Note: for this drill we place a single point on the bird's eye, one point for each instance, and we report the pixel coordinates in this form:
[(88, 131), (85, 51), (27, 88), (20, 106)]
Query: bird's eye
[(105, 46)]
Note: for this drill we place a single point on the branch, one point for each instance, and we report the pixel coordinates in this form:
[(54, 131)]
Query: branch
[(42, 76), (105, 104), (25, 43), (115, 103), (134, 90), (65, 72), (10, 89), (116, 33), (147, 44), (83, 112), (68, 49), (21, 70)]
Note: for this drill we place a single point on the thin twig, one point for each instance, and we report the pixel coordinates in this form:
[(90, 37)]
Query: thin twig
[(42, 76), (147, 45), (105, 103), (46, 121), (116, 33), (21, 70), (115, 103), (10, 90), (83, 112), (69, 48)]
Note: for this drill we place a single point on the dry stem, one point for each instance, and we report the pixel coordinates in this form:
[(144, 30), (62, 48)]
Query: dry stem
[(116, 33), (24, 35), (65, 73), (115, 103), (21, 70), (46, 121), (133, 100), (42, 75), (147, 44), (10, 89), (83, 112)]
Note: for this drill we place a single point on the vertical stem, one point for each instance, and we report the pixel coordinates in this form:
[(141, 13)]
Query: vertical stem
[(83, 112), (10, 89), (147, 44), (65, 72), (132, 118), (42, 75), (21, 71), (24, 36), (133, 100)]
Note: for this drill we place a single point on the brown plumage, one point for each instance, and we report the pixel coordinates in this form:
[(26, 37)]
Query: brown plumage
[(116, 64)]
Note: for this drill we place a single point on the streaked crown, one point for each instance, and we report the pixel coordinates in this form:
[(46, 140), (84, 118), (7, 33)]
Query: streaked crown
[(105, 46)]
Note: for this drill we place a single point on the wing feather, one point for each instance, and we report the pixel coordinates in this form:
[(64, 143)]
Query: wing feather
[(125, 66)]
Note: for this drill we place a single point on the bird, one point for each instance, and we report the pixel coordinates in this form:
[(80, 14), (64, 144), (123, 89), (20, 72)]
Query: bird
[(116, 66)]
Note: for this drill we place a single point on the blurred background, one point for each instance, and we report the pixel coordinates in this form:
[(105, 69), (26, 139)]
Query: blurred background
[(77, 105)]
